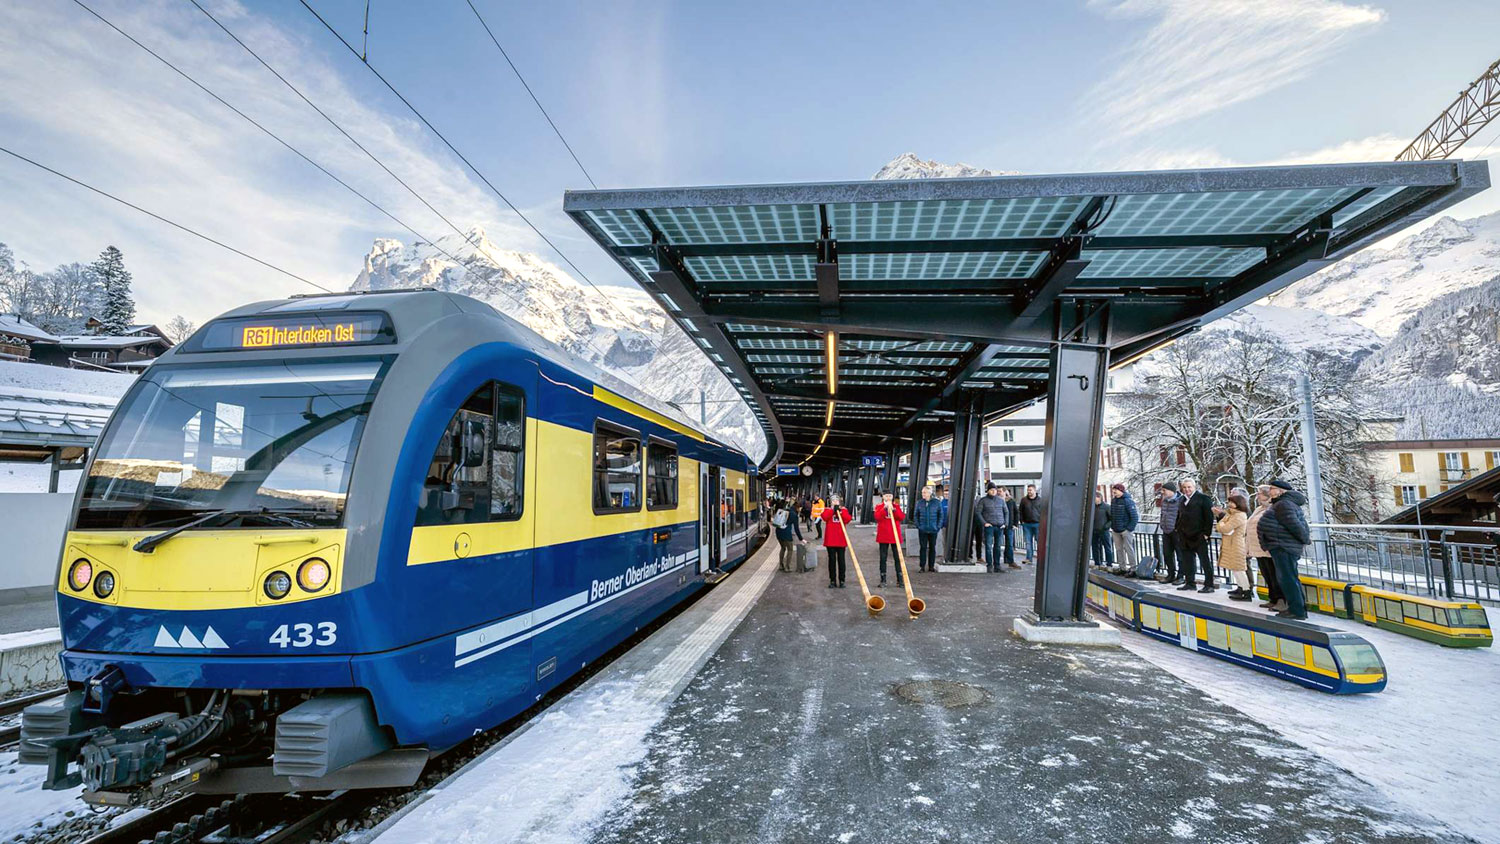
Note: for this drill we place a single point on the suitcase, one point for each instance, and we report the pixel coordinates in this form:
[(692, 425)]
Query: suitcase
[(807, 557)]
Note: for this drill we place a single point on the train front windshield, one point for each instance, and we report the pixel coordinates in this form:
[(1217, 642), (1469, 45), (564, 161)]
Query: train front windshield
[(273, 443)]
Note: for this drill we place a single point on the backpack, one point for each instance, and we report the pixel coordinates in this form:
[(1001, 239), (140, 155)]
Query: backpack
[(1146, 567), (779, 520)]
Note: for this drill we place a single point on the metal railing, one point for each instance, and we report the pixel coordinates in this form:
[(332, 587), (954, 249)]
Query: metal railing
[(1428, 561)]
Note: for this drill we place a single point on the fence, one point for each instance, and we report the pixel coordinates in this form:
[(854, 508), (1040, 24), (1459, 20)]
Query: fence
[(1399, 558)]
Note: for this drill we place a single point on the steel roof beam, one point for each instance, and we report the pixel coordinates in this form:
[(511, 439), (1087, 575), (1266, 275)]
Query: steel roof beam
[(987, 244)]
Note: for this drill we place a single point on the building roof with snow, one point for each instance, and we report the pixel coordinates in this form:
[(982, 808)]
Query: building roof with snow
[(14, 326)]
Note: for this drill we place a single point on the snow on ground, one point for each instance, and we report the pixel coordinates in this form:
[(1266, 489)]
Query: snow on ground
[(28, 638), (518, 791), (24, 806), (1429, 741), (61, 382)]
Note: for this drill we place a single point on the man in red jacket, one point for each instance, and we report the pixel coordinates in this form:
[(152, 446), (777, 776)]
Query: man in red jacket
[(887, 534), (835, 540)]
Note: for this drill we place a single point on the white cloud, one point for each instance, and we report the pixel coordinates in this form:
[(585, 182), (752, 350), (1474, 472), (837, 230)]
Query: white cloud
[(1382, 147), (79, 97), (1199, 56)]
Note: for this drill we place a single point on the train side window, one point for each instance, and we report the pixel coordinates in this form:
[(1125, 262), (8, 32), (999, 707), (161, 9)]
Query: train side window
[(1424, 612), (1410, 609), (661, 475), (1265, 644), (1322, 659), (1218, 634), (1359, 659), (617, 469), (1472, 617), (1239, 641), (1293, 652), (457, 488), (508, 477)]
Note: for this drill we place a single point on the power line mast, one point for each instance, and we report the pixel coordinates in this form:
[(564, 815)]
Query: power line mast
[(1474, 108)]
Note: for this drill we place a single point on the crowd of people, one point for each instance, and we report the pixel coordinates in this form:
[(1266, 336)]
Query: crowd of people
[(1270, 533), (1273, 532)]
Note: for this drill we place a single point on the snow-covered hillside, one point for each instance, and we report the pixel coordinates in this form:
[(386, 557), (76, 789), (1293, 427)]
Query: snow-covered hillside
[(619, 330), (1304, 330), (908, 166), (1381, 288), (1454, 340)]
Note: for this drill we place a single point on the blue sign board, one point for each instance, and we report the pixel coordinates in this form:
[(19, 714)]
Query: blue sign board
[(876, 460), (785, 470)]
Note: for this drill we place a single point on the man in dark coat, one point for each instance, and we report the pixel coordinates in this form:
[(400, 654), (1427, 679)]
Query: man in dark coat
[(995, 517), (1031, 521), (929, 516), (1010, 530), (1168, 503), (1283, 533), (1103, 552), (1195, 522)]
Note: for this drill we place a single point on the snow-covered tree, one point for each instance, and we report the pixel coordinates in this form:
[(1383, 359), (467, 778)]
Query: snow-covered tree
[(179, 328), (118, 309)]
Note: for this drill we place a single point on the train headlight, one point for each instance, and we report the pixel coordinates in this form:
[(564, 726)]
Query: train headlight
[(278, 584), (80, 573), (104, 584), (313, 574)]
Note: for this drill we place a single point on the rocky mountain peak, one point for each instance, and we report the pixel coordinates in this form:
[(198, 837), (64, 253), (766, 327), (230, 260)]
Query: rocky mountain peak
[(908, 166)]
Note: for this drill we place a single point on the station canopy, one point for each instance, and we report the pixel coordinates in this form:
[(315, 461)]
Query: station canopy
[(938, 293)]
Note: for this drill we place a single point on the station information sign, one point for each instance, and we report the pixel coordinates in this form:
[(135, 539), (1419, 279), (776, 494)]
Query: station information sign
[(300, 331), (875, 460), (783, 469)]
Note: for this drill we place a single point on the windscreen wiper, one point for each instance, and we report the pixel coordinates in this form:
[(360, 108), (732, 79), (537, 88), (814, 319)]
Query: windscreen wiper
[(147, 545)]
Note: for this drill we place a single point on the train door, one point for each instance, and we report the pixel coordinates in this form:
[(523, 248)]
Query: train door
[(705, 517), (713, 516), (726, 515)]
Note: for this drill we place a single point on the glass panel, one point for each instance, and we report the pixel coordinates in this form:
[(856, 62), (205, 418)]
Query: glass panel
[(961, 219), (190, 440), (1473, 617), (1292, 651), (1265, 644), (1425, 613), (661, 476), (1169, 621), (457, 489), (1359, 659), (617, 470), (941, 265), (508, 476), (1211, 261), (1239, 641), (1218, 634), (1321, 658), (1218, 212), (737, 224)]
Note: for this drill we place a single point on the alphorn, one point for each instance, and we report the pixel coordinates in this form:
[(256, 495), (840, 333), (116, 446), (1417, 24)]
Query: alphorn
[(914, 605), (873, 603)]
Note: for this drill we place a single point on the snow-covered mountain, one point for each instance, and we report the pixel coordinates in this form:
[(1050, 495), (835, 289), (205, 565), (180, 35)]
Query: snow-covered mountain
[(908, 166), (1304, 330), (1454, 340), (1381, 288), (620, 330)]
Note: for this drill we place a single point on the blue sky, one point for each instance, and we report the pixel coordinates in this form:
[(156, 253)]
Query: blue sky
[(661, 94)]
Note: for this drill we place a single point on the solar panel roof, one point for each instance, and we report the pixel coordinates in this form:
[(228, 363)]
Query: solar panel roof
[(947, 294)]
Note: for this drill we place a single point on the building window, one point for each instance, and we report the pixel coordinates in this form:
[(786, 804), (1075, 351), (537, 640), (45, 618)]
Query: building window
[(1181, 456), (661, 475), (617, 469), (1491, 459), (1406, 495), (1453, 461), (1165, 458), (1007, 435), (1111, 383), (1408, 464)]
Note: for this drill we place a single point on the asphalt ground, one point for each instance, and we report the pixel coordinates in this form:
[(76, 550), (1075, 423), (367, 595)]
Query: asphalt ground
[(796, 731)]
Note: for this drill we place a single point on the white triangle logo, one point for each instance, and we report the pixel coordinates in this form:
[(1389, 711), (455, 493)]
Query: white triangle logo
[(188, 640), (164, 639), (213, 640)]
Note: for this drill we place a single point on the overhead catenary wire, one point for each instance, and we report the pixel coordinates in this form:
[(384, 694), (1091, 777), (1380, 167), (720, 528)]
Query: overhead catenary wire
[(420, 236), (532, 94), (477, 172), (219, 243)]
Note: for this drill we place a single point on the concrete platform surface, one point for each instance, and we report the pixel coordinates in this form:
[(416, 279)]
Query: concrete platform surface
[(28, 615), (815, 722)]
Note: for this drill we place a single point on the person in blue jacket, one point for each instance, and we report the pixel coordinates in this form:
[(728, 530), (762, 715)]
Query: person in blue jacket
[(788, 535), (930, 516), (1123, 518)]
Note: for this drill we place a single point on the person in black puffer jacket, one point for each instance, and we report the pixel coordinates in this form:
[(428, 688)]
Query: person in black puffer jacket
[(1283, 533)]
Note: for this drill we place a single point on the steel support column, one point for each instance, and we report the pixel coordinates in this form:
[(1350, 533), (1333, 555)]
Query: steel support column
[(921, 453), (890, 483), (867, 496), (1070, 463), (963, 484)]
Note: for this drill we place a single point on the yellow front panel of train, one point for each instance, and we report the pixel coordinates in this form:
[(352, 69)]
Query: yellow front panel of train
[(201, 569)]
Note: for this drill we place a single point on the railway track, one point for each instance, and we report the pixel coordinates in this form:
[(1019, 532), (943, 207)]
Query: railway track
[(242, 819), (10, 735)]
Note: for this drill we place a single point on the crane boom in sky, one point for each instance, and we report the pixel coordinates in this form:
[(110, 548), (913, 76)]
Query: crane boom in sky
[(1474, 108)]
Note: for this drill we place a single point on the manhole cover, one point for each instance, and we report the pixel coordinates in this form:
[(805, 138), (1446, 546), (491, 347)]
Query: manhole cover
[(944, 693)]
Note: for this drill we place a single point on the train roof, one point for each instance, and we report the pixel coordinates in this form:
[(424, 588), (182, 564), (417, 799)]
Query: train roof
[(412, 311), (1207, 610)]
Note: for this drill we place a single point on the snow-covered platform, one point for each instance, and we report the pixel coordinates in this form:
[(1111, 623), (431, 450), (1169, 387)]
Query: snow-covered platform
[(816, 722)]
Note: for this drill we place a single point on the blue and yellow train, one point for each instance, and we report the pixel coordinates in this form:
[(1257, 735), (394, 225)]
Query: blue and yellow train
[(1452, 624), (328, 536), (1316, 657)]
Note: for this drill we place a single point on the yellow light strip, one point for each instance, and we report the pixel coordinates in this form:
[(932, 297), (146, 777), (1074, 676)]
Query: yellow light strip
[(832, 354), (828, 419)]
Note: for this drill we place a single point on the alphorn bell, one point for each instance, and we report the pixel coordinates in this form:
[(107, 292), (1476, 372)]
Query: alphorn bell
[(873, 603), (914, 605)]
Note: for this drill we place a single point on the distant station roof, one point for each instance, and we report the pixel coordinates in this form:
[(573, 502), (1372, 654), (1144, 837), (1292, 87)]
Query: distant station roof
[(943, 292)]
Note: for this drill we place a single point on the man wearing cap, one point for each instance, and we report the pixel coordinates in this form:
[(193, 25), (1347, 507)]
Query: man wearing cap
[(1169, 503), (1123, 518), (1283, 533)]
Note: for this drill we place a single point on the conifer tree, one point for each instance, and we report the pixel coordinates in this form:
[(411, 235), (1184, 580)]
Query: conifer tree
[(119, 306)]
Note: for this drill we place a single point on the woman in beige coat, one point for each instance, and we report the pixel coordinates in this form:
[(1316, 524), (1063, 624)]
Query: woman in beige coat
[(1231, 527)]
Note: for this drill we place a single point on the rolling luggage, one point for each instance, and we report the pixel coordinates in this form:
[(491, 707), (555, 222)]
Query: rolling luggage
[(807, 557)]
